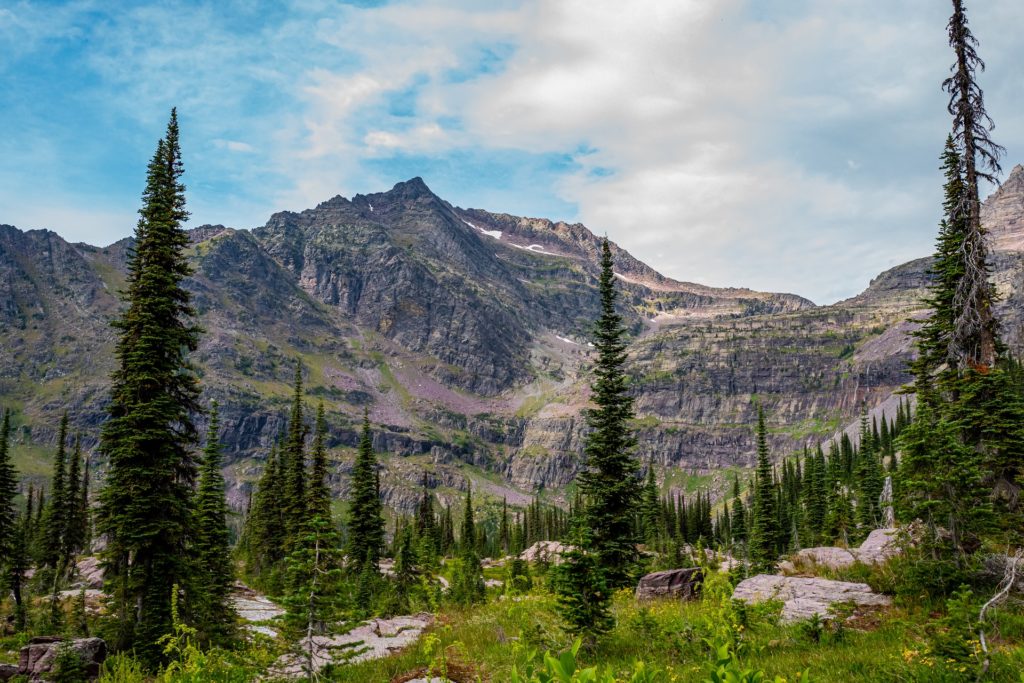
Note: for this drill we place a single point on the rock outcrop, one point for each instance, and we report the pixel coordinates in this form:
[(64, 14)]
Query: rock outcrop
[(464, 333), (545, 551), (804, 597), (683, 584), (36, 659), (879, 547), (373, 639)]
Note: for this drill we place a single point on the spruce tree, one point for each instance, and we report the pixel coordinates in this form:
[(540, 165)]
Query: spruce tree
[(583, 596), (738, 523), (650, 514), (145, 504), (211, 545), (293, 459), (316, 600), (610, 483), (74, 520), (765, 533), (365, 523), (870, 480), (84, 513), (56, 512), (942, 481), (973, 343), (265, 525), (407, 570), (19, 560), (468, 579), (8, 488)]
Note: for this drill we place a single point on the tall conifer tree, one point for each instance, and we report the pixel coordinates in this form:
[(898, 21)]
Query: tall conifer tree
[(74, 531), (293, 460), (214, 573), (365, 523), (765, 532), (973, 342), (8, 488), (611, 480), (56, 513), (149, 435)]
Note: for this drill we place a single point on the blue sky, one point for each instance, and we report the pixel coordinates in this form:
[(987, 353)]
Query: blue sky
[(785, 145)]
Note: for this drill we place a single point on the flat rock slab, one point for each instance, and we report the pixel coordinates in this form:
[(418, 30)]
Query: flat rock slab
[(373, 639), (827, 556), (683, 584), (804, 597), (255, 609)]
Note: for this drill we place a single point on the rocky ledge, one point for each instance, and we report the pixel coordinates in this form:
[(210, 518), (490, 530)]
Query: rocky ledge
[(804, 597)]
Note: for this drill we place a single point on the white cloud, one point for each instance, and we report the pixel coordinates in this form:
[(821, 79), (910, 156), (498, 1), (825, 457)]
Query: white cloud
[(233, 145), (765, 143)]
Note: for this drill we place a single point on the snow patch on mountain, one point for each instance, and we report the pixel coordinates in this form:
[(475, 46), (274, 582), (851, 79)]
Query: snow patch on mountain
[(496, 234)]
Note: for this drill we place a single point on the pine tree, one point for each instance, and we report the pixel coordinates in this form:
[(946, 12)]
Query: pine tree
[(610, 482), (265, 526), (869, 480), (211, 545), (765, 533), (149, 434), (293, 459), (318, 494), (56, 512), (84, 514), (583, 595), (973, 342), (738, 523), (407, 570), (74, 520), (19, 560), (365, 524), (468, 579), (941, 480), (650, 515), (316, 600), (8, 488)]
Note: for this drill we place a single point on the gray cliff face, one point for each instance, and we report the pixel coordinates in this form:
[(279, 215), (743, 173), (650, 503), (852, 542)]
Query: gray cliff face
[(464, 333)]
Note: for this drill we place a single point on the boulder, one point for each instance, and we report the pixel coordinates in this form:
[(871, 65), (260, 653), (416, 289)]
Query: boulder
[(8, 671), (545, 551), (36, 659), (90, 573), (683, 584), (879, 546), (372, 639), (826, 556), (803, 597)]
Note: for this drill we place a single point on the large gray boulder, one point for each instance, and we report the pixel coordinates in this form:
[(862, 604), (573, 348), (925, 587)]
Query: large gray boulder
[(90, 573), (879, 546), (683, 584), (36, 659), (804, 597), (825, 556)]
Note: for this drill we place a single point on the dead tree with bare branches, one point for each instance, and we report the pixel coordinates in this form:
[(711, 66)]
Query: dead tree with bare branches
[(973, 342)]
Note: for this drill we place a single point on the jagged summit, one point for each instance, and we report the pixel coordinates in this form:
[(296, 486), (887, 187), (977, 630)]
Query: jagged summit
[(1002, 213)]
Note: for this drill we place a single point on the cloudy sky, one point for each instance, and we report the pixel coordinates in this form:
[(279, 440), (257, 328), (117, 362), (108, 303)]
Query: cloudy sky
[(785, 145)]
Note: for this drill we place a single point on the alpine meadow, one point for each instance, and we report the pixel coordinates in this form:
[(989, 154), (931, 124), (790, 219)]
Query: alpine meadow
[(389, 439)]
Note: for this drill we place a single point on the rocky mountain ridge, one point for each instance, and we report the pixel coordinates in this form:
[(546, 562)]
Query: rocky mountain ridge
[(465, 334)]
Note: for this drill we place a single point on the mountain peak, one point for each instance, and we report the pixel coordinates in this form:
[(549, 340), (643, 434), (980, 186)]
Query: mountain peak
[(414, 187), (1016, 176), (1001, 213)]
